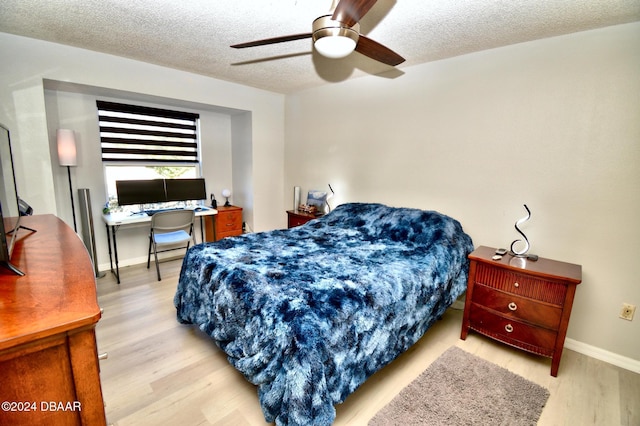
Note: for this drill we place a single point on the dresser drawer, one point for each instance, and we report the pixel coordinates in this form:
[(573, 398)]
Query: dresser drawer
[(521, 284), (229, 221), (231, 233), (520, 308), (532, 338), (229, 224)]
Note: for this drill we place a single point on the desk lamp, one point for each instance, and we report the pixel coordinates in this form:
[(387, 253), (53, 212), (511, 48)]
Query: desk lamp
[(226, 194)]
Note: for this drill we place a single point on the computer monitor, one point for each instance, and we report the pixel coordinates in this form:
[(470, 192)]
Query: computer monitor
[(185, 189), (140, 191)]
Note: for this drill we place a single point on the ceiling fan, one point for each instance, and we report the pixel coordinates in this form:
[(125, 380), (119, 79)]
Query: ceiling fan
[(337, 35)]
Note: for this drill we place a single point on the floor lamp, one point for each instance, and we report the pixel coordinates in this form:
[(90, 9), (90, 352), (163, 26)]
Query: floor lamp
[(67, 157)]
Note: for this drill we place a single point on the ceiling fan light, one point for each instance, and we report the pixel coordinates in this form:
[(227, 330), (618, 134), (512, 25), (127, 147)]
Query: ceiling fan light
[(335, 46), (333, 40)]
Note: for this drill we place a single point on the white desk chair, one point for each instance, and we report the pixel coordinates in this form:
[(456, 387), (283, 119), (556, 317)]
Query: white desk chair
[(172, 229)]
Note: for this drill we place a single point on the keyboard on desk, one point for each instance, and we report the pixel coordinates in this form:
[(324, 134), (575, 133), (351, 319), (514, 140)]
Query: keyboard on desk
[(152, 212)]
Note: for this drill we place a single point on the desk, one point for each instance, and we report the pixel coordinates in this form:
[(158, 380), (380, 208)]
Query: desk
[(114, 221)]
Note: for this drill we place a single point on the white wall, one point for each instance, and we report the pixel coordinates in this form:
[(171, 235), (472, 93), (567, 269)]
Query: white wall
[(242, 176), (31, 67), (554, 124)]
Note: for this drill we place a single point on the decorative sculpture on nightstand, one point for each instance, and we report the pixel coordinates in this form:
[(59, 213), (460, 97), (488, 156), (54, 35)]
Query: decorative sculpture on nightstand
[(330, 196), (523, 251)]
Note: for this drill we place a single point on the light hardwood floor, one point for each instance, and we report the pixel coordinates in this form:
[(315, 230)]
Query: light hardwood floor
[(160, 372)]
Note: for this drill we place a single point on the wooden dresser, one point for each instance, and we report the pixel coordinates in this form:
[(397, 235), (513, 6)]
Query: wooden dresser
[(227, 223), (48, 355), (297, 218), (519, 302)]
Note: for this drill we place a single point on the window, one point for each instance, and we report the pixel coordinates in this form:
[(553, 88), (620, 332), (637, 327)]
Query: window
[(146, 143)]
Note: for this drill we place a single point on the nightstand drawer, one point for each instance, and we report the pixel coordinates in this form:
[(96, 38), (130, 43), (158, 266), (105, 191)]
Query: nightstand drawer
[(297, 221), (297, 218), (508, 330), (512, 306), (521, 284), (522, 302)]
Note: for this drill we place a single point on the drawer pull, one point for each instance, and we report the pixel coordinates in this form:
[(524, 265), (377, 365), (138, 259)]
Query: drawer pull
[(513, 306), (508, 328), (103, 355), (516, 284)]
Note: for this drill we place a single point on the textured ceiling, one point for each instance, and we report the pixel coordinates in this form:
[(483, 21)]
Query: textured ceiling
[(195, 35)]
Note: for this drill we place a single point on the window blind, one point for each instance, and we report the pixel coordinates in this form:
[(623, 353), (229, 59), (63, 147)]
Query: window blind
[(145, 134)]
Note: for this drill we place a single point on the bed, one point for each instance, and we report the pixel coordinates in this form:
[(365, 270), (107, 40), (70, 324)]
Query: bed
[(307, 314)]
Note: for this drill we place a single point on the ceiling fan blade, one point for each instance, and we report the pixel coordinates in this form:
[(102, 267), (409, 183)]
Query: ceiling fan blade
[(376, 51), (349, 12), (273, 40)]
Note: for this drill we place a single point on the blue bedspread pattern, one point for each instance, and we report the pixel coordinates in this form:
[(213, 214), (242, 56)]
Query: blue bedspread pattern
[(309, 313)]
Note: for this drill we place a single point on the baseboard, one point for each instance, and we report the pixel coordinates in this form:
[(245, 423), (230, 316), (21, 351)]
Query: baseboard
[(105, 267), (124, 263), (602, 355)]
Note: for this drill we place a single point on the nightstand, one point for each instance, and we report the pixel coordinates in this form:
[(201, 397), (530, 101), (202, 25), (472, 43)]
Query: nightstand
[(297, 218), (227, 223), (519, 302)]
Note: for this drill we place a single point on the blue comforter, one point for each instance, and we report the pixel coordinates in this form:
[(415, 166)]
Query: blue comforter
[(308, 314)]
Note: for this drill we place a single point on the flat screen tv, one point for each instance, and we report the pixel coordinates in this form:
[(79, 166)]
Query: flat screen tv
[(9, 203)]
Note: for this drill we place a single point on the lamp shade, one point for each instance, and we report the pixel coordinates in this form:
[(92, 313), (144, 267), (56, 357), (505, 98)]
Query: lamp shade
[(66, 147)]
